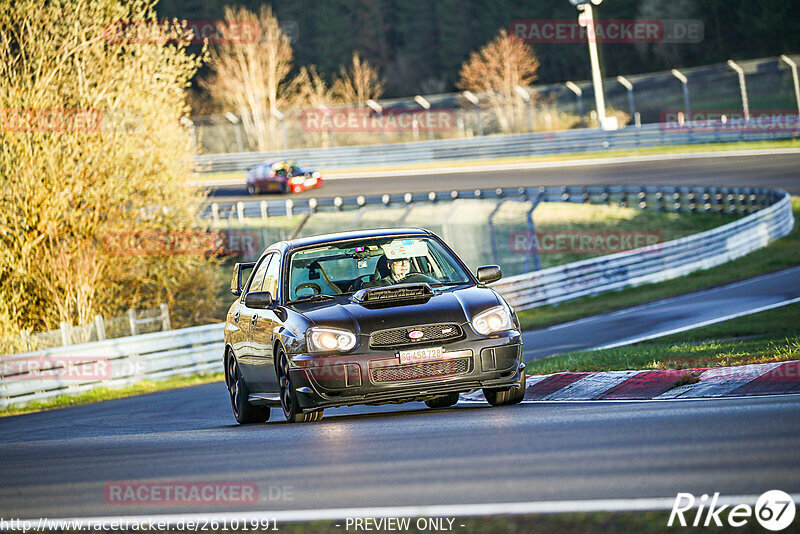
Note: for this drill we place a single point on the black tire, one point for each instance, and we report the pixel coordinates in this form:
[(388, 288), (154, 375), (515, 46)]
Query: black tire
[(252, 189), (244, 412), (445, 401), (506, 396), (291, 408), (285, 188)]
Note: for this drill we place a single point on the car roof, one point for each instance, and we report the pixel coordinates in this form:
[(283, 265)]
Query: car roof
[(353, 234)]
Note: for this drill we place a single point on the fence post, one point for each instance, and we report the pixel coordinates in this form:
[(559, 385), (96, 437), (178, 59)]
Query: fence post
[(215, 212), (65, 337), (165, 317), (26, 339), (264, 210), (100, 325), (132, 320)]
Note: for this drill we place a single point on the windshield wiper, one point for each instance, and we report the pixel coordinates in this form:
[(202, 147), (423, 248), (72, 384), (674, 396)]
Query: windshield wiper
[(449, 284), (313, 298)]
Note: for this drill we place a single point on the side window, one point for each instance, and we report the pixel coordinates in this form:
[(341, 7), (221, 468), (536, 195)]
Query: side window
[(273, 276), (256, 281)]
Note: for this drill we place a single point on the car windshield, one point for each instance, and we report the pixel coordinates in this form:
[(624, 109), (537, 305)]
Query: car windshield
[(343, 268)]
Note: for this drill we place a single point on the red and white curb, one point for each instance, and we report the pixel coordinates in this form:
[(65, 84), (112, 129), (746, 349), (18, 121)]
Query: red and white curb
[(777, 378)]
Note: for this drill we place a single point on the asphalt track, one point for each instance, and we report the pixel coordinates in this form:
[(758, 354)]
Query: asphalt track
[(57, 464), (775, 170)]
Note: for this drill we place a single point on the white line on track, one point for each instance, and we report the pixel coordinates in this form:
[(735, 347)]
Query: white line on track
[(696, 325), (445, 510), (477, 167), (640, 307)]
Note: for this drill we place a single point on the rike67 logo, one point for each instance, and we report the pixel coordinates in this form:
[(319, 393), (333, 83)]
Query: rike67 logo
[(774, 510)]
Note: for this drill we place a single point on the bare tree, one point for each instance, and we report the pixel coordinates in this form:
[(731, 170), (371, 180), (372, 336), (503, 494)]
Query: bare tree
[(357, 83), (251, 76), (495, 70)]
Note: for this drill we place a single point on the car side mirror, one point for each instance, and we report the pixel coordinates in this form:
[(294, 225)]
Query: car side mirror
[(236, 279), (258, 300), (489, 273)]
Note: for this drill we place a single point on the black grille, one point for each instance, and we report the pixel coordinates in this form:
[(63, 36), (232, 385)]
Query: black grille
[(397, 337), (416, 371)]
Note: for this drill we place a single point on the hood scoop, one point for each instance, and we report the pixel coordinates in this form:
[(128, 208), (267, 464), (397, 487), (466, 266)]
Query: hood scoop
[(399, 295)]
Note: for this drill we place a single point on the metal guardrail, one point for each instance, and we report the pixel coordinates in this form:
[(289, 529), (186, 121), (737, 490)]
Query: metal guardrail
[(674, 199), (656, 263), (48, 373), (199, 349), (492, 146)]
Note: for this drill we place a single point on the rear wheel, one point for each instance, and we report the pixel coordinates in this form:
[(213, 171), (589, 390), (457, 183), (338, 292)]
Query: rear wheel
[(252, 189), (291, 408), (445, 401), (243, 411), (506, 396)]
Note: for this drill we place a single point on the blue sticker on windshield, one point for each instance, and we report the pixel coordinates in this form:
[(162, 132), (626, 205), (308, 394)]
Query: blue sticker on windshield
[(408, 241)]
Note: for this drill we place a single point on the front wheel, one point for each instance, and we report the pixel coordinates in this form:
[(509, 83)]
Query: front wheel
[(244, 412), (291, 408), (252, 189), (506, 396)]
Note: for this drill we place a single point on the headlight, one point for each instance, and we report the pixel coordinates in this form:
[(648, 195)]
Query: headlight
[(328, 339), (495, 319), (315, 174)]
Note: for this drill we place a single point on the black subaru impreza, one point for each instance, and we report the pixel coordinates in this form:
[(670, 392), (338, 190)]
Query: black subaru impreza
[(366, 317)]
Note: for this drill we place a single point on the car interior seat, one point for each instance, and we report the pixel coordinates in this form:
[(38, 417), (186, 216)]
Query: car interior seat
[(316, 274)]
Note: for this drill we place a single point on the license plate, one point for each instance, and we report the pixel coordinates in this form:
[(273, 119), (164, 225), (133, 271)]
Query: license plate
[(421, 355)]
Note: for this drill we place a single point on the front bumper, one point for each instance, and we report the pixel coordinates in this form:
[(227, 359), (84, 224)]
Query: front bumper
[(377, 377)]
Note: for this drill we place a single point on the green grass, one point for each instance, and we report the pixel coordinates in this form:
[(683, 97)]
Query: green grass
[(769, 336), (780, 254), (667, 149), (574, 523), (105, 393)]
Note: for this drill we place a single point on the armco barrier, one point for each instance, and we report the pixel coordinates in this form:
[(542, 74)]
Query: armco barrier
[(199, 349), (48, 373), (491, 146), (656, 263)]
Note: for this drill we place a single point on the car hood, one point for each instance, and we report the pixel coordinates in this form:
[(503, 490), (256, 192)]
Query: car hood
[(448, 306)]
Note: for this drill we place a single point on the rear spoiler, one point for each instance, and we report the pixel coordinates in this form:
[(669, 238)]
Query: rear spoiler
[(391, 295)]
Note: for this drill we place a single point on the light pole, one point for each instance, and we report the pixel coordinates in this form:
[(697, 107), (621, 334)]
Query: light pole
[(475, 102), (526, 97), (424, 104), (377, 108), (586, 19), (786, 59), (281, 117), (579, 94), (329, 119), (745, 105), (187, 123), (685, 81), (233, 119), (629, 86)]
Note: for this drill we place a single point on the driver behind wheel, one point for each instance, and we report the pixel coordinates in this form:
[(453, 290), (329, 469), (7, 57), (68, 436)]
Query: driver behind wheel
[(399, 268)]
